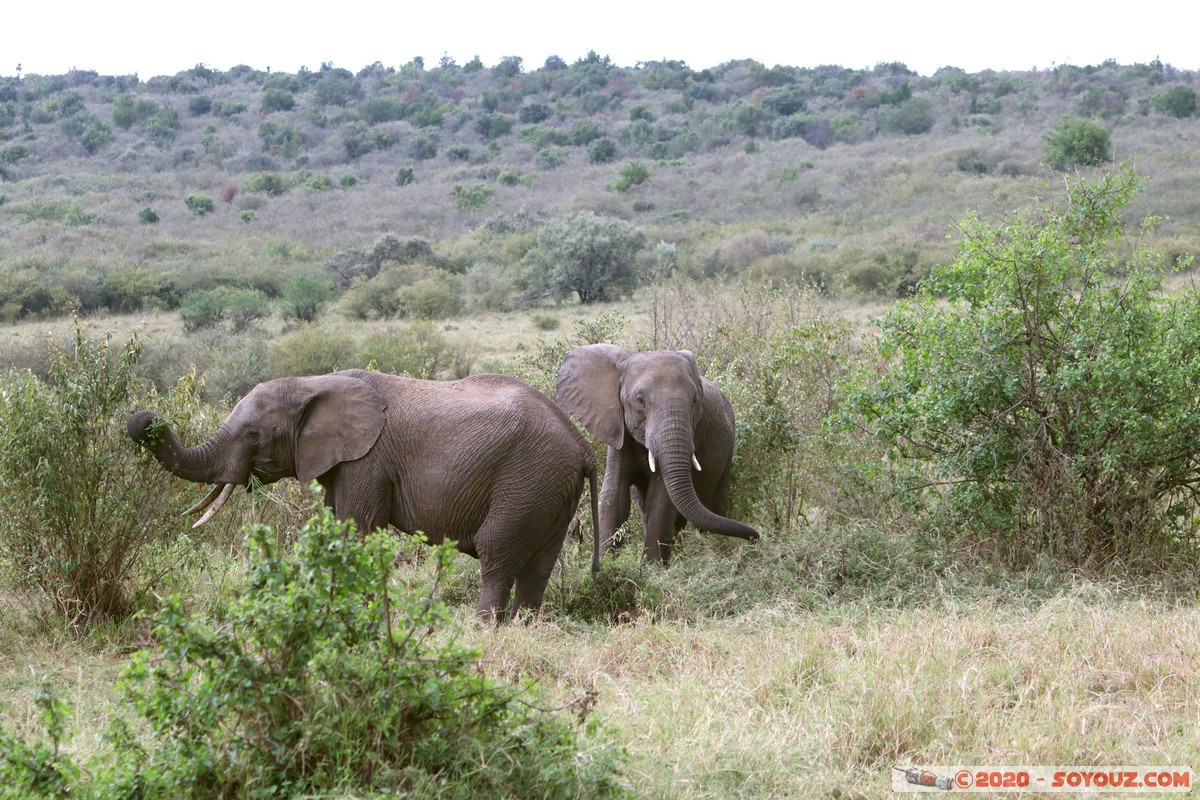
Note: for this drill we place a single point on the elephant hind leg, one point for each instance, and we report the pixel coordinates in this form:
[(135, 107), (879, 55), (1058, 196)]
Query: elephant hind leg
[(532, 580), (493, 599)]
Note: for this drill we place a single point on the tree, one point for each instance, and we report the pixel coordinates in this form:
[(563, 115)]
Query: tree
[(305, 297), (587, 254), (1178, 101), (1047, 386), (1078, 142)]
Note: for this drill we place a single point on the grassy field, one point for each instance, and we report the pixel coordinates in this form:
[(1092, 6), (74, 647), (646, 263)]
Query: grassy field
[(807, 665), (783, 701)]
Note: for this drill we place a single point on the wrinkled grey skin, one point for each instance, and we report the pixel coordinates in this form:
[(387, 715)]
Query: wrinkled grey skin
[(487, 461), (656, 402)]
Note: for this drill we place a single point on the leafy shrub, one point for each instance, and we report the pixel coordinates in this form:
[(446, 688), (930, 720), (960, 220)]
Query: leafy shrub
[(1178, 101), (1078, 143), (199, 204), (586, 254), (417, 350), (322, 677), (489, 286), (911, 117), (269, 183), (545, 322), (304, 297), (405, 176), (434, 296), (635, 173), (472, 198), (277, 100), (208, 308), (82, 514), (147, 216), (313, 350), (1052, 398), (602, 151)]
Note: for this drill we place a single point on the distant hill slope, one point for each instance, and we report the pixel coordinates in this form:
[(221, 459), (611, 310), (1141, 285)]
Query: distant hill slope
[(851, 178)]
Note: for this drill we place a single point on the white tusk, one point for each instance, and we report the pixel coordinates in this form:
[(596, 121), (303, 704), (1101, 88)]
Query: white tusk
[(651, 460), (208, 498), (221, 498), (696, 462)]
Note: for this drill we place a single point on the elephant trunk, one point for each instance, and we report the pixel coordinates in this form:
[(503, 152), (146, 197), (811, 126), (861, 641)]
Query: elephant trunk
[(195, 464), (674, 451)]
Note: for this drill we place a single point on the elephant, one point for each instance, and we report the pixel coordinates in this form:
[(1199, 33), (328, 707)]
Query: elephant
[(660, 419), (487, 461)]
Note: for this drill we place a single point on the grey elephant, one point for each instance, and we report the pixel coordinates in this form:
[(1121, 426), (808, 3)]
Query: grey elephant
[(670, 435), (487, 461)]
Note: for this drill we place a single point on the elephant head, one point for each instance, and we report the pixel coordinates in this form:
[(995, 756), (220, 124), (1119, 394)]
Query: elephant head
[(656, 401), (291, 427)]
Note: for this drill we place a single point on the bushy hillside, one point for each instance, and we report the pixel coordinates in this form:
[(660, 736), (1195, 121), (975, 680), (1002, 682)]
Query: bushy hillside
[(123, 194)]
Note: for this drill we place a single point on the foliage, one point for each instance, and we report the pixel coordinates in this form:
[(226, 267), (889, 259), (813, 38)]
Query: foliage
[(208, 308), (417, 350), (635, 173), (1078, 143), (472, 198), (489, 286), (1051, 397), (313, 350), (269, 183), (147, 216), (82, 513), (1178, 101), (304, 297), (199, 204), (586, 254), (323, 676)]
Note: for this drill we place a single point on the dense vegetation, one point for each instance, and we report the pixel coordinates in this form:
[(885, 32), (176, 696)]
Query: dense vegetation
[(122, 194), (993, 477)]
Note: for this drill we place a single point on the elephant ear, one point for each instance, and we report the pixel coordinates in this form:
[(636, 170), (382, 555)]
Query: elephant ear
[(341, 420), (589, 389), (690, 357)]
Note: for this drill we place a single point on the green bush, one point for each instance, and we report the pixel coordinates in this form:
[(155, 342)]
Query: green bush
[(472, 198), (416, 350), (321, 678), (208, 308), (147, 216), (277, 100), (85, 519), (1078, 143), (313, 350), (602, 151), (435, 296), (1045, 385), (304, 297), (1178, 101), (405, 176), (269, 183), (489, 286), (635, 173), (199, 204), (588, 255)]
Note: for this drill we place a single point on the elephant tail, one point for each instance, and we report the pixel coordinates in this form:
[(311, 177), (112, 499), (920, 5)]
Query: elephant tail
[(591, 476)]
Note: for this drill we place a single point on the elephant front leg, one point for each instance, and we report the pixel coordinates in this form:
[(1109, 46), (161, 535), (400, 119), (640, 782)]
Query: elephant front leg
[(614, 500), (658, 519)]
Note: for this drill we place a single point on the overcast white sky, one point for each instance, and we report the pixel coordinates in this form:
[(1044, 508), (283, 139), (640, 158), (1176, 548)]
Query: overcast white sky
[(163, 37)]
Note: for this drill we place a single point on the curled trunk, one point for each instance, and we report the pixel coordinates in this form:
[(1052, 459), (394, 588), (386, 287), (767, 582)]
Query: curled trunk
[(675, 453), (190, 463)]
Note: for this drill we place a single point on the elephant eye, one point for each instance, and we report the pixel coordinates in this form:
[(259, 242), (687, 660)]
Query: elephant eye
[(639, 399), (252, 436)]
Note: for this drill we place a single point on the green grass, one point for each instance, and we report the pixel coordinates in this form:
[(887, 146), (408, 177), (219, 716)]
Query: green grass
[(783, 700)]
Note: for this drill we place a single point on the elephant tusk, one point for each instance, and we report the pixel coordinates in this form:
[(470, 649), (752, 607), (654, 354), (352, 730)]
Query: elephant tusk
[(226, 490), (651, 454), (696, 462), (208, 498)]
